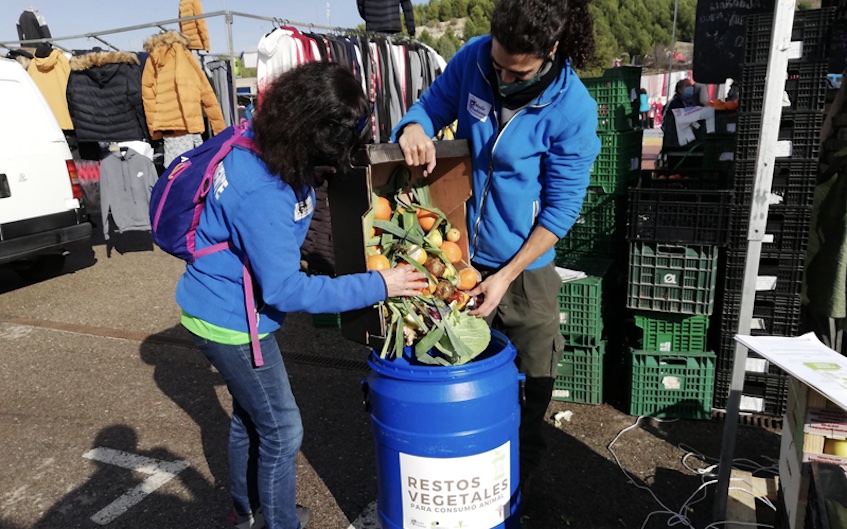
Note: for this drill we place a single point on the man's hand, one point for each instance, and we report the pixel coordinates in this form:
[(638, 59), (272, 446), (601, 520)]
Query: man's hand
[(492, 290), (417, 147)]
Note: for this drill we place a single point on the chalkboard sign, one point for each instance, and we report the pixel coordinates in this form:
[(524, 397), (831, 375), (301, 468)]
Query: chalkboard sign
[(719, 37)]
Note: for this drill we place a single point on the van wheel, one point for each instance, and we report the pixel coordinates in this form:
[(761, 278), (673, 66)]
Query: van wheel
[(42, 268)]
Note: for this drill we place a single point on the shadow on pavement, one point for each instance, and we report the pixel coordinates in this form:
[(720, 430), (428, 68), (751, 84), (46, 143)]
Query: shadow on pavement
[(110, 486), (184, 375), (80, 256)]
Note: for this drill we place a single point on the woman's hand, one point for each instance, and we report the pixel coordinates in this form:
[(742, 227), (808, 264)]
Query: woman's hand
[(403, 281), (417, 147)]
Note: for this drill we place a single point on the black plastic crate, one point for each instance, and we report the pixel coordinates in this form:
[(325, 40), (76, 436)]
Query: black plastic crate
[(812, 27), (773, 314), (805, 86), (802, 129), (793, 181), (687, 178), (761, 394), (726, 122), (719, 152), (786, 267), (786, 228), (725, 353), (679, 216)]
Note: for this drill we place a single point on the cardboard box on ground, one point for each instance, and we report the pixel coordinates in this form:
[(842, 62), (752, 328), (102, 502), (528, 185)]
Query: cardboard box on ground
[(350, 201)]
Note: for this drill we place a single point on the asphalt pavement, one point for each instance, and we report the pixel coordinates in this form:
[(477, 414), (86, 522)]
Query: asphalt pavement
[(110, 418)]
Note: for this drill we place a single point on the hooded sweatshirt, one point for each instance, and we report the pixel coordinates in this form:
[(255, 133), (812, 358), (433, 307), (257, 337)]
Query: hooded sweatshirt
[(175, 89), (126, 182), (51, 76), (104, 97)]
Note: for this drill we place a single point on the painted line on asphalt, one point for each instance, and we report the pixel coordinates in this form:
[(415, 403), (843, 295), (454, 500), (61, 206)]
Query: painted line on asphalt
[(369, 519), (179, 341), (159, 472)]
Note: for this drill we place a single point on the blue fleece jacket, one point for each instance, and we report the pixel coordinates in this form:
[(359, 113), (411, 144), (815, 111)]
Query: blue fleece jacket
[(262, 217), (532, 172)]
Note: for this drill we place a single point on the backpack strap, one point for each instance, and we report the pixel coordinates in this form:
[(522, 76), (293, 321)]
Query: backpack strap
[(252, 320)]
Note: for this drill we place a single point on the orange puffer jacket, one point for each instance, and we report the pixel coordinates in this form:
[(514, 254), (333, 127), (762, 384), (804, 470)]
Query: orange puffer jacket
[(196, 30), (175, 90)]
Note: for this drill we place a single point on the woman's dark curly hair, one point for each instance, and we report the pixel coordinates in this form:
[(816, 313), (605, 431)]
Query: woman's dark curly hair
[(308, 117), (534, 26)]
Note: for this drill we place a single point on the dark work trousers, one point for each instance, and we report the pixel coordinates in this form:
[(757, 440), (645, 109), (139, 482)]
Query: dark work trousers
[(528, 315)]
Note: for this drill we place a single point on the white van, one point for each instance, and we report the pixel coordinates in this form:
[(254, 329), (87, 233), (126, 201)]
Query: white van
[(40, 197)]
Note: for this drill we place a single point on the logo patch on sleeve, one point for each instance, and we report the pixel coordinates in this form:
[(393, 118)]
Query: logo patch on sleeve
[(303, 209), (478, 108)]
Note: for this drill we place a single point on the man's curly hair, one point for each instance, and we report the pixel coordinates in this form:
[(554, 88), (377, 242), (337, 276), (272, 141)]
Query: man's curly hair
[(534, 26), (307, 118)]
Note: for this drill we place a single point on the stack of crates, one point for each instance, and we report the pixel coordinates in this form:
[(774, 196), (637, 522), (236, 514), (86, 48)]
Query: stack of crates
[(777, 303), (597, 231), (582, 305), (596, 240), (678, 223)]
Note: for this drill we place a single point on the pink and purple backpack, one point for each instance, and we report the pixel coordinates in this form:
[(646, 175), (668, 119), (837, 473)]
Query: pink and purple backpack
[(178, 198)]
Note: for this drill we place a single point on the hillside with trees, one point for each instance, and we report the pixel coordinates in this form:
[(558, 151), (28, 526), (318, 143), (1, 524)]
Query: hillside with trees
[(632, 30)]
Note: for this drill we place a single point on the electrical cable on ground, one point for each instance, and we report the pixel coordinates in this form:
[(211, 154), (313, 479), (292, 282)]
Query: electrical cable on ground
[(677, 517)]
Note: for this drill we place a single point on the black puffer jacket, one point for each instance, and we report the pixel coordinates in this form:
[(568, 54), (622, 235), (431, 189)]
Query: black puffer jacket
[(104, 97), (382, 16)]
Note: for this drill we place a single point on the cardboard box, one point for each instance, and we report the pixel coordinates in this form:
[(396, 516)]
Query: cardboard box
[(350, 202)]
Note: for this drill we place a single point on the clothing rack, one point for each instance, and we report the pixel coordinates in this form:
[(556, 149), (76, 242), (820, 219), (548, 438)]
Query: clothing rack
[(229, 19)]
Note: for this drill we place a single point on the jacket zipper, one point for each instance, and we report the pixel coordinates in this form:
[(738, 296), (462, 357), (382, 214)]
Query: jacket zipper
[(500, 131)]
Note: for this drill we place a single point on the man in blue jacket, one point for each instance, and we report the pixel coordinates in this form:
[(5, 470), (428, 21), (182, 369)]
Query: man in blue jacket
[(531, 125)]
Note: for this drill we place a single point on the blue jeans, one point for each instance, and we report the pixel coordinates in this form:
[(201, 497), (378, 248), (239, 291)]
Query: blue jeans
[(265, 432)]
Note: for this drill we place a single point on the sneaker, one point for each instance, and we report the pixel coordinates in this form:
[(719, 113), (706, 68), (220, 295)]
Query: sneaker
[(248, 521), (304, 514)]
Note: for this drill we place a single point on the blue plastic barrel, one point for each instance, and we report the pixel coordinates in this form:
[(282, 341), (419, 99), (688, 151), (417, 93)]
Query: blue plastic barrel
[(446, 441)]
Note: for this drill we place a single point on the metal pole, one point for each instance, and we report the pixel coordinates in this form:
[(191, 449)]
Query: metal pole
[(673, 46), (783, 21), (232, 67)]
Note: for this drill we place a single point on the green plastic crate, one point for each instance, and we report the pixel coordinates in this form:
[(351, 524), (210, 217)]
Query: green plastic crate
[(619, 162), (326, 320), (599, 228), (672, 385), (617, 95), (672, 332), (581, 304), (580, 375), (672, 278)]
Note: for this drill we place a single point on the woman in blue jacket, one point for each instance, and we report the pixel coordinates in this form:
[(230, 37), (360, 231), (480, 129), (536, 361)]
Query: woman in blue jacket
[(532, 129), (310, 117)]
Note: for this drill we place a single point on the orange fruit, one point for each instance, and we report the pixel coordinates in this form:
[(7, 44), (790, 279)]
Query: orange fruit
[(427, 219), (382, 210), (731, 105), (378, 262), (468, 278), (427, 222), (451, 251)]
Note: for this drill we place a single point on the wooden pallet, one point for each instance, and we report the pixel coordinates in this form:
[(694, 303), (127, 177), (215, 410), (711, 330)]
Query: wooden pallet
[(741, 504)]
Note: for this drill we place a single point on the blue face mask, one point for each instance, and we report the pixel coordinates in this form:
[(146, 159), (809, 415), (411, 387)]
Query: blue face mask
[(688, 92)]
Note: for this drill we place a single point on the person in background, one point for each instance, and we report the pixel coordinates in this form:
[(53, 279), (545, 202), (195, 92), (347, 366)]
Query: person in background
[(644, 108), (310, 117), (683, 98), (382, 16), (532, 129)]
